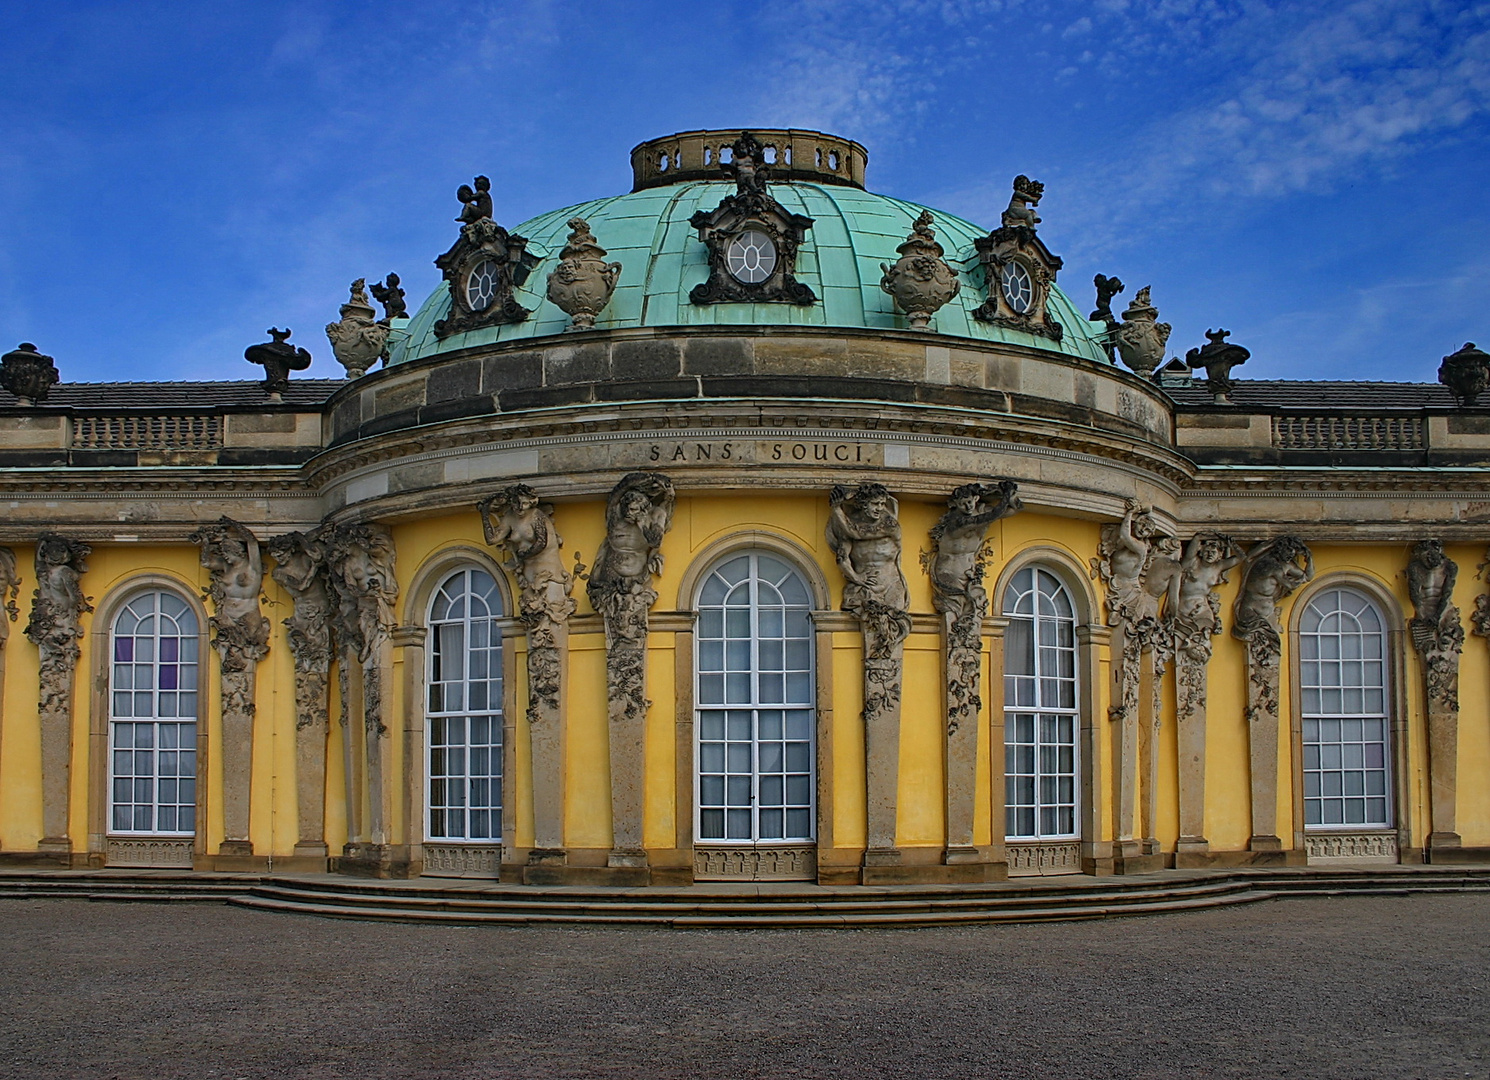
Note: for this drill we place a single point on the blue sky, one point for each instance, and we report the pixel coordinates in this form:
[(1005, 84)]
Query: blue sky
[(175, 177)]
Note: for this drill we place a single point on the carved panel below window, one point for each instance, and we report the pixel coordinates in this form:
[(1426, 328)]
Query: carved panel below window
[(462, 860), (1059, 857), (145, 851), (777, 862), (1353, 847)]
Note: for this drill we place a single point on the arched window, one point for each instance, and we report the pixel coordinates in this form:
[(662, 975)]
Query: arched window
[(755, 721), (1343, 694), (1040, 715), (465, 709), (153, 717)]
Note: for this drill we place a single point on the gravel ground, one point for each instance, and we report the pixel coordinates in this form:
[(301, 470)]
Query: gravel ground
[(1338, 988)]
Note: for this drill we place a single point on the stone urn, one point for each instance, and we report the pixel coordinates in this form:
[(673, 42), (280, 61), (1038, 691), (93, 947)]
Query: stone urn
[(920, 281), (1218, 356), (358, 339), (1140, 337), (27, 374), (582, 283), (1466, 373)]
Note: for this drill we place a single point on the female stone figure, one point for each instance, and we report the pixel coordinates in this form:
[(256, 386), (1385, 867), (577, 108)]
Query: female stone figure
[(864, 535)]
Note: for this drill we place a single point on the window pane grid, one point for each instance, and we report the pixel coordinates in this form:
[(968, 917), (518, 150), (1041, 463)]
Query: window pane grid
[(152, 718), (464, 711), (1040, 719), (1342, 684), (755, 763)]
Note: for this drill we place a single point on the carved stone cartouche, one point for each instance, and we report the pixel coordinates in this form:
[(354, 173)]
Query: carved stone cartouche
[(28, 374), (582, 283), (391, 297), (483, 268), (358, 339), (1141, 338), (920, 281), (1018, 268), (1466, 373), (1218, 357), (278, 358), (956, 569), (767, 233)]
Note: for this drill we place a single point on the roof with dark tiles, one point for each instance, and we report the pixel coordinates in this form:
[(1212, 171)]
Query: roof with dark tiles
[(179, 395), (1269, 394)]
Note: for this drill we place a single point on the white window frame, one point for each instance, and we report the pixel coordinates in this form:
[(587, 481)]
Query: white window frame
[(755, 706), (188, 688), (1320, 717), (1042, 709), (493, 713)]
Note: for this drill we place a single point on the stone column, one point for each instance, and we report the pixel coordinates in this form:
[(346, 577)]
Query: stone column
[(1273, 569), (517, 522), (360, 568), (56, 607), (638, 514), (956, 569), (240, 634), (864, 535), (301, 571), (1438, 636)]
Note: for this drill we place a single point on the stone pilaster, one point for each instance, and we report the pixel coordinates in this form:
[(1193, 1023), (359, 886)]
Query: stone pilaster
[(1438, 636), (54, 628), (240, 634), (638, 514)]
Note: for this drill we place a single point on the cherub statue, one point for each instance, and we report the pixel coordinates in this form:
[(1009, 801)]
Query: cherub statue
[(1027, 195), (1107, 288), (476, 204), (514, 519), (1430, 583), (747, 165), (391, 297)]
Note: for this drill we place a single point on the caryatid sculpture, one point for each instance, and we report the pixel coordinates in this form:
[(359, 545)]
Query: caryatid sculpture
[(360, 570), (1192, 616), (1272, 570), (56, 607), (1438, 636), (10, 592), (300, 569), (240, 634), (956, 569), (637, 516), (516, 522), (864, 535)]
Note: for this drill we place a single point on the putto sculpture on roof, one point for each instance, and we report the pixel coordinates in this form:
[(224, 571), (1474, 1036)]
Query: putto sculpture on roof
[(752, 239), (483, 268)]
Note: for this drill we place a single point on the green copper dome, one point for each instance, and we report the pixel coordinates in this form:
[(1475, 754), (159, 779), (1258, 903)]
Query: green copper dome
[(647, 231)]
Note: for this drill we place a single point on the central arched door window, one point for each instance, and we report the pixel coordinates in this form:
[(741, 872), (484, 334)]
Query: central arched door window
[(1040, 714), (1343, 694), (465, 710), (153, 717), (755, 718)]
